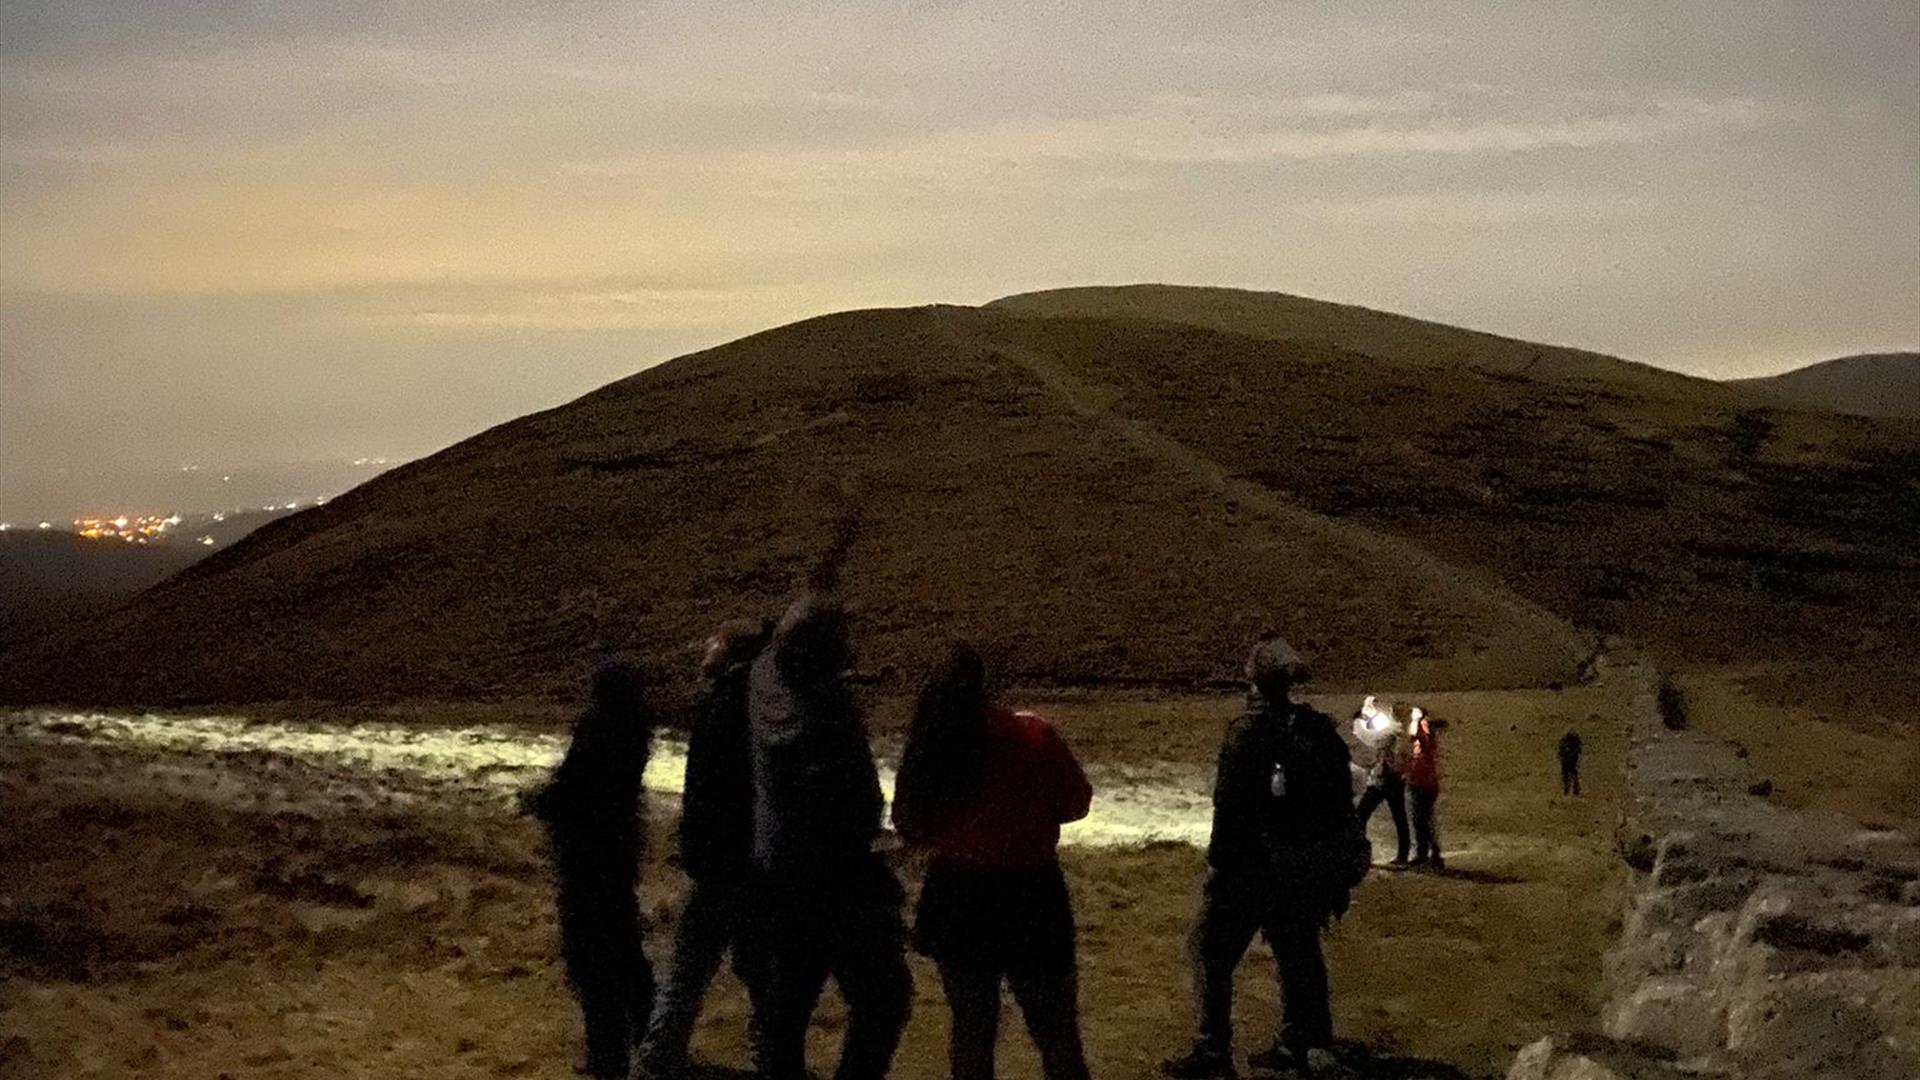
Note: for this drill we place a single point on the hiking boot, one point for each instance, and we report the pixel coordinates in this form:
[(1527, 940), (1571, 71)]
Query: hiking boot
[(1199, 1063)]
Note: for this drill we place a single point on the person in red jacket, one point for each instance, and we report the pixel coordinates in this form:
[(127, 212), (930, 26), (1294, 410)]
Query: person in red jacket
[(1423, 785), (985, 789)]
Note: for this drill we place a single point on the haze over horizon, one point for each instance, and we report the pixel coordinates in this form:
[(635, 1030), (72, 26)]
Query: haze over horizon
[(233, 232)]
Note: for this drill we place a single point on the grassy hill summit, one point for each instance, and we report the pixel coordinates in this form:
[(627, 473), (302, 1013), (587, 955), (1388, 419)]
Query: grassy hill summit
[(1871, 384), (1114, 486)]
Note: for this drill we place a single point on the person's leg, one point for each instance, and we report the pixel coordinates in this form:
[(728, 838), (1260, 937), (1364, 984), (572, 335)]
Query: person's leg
[(973, 999), (1576, 778), (1422, 824), (1433, 828), (1050, 1004), (867, 956), (1370, 801), (700, 940), (599, 947), (1397, 807), (1223, 929), (792, 970), (637, 990), (1306, 1009), (604, 1013)]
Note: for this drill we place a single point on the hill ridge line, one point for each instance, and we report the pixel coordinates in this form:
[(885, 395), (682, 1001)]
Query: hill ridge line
[(1095, 402)]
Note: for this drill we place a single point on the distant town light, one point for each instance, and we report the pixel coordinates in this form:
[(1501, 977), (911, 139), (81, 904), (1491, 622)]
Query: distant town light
[(219, 515), (207, 541), (6, 526), (46, 524)]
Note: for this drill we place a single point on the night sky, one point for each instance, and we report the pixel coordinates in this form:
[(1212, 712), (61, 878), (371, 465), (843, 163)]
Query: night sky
[(243, 232)]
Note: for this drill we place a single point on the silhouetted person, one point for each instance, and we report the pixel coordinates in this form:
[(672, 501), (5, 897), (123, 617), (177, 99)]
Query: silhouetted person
[(831, 905), (591, 810), (1386, 784), (1569, 751), (986, 790), (716, 830), (1285, 852), (1423, 786)]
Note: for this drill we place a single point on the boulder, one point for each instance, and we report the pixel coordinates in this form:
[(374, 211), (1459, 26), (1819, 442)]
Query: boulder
[(1672, 1013)]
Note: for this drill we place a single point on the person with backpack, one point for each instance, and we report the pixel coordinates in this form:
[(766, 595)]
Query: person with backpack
[(716, 810), (1285, 854), (828, 904), (1569, 753), (592, 814), (1423, 786), (985, 789)]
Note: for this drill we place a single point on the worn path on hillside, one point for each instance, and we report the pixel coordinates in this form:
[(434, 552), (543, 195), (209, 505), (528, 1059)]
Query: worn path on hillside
[(1532, 632)]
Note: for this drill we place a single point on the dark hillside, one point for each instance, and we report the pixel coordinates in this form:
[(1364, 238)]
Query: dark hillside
[(1094, 499)]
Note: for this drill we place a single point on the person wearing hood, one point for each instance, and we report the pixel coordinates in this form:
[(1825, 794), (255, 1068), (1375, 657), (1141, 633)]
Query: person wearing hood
[(716, 811), (592, 814), (1285, 853), (831, 905)]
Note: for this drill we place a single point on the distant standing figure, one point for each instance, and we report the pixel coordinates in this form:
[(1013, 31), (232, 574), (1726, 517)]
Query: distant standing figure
[(828, 904), (1286, 851), (1423, 787), (1570, 747), (1386, 784), (716, 828), (987, 789), (591, 810)]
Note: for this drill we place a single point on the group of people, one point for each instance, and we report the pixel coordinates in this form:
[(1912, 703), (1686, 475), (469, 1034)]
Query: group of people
[(778, 834), (1405, 774)]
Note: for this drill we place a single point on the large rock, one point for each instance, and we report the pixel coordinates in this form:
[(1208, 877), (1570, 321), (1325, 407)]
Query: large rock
[(1673, 1013)]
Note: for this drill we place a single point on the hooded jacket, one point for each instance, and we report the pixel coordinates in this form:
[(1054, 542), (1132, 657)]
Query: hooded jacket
[(816, 793)]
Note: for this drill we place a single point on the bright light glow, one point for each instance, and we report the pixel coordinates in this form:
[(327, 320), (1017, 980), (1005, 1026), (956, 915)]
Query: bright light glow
[(219, 515), (1169, 804), (6, 526), (46, 524), (206, 541)]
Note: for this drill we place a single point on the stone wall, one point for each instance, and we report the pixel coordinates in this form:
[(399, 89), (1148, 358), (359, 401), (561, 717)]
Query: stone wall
[(1758, 943)]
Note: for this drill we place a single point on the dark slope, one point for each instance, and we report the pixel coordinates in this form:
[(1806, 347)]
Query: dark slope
[(1093, 499), (642, 514), (1872, 384), (1376, 335)]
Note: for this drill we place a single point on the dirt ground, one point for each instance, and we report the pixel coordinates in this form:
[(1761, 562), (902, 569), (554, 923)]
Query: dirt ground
[(160, 936), (1859, 759)]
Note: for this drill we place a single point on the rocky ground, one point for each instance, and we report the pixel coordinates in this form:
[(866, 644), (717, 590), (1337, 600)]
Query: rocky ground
[(171, 910), (1766, 938)]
